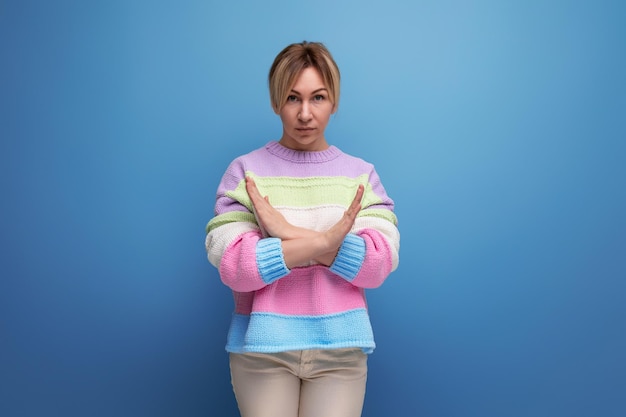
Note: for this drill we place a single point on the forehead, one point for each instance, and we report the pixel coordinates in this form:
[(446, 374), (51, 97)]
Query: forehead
[(309, 79)]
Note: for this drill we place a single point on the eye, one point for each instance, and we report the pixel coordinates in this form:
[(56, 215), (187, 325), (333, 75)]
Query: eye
[(292, 99), (319, 97)]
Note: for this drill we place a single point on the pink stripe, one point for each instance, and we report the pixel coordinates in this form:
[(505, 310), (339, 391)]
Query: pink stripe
[(238, 269), (306, 291), (377, 264)]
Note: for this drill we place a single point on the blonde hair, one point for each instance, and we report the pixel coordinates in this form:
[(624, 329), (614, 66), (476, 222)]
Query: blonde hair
[(290, 62)]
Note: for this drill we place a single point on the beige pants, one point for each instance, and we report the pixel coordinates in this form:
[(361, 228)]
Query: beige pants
[(302, 383)]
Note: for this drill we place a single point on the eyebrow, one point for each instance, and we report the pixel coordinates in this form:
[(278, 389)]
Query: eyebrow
[(313, 92)]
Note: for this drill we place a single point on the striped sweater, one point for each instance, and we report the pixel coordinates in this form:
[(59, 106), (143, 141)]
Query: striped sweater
[(311, 306)]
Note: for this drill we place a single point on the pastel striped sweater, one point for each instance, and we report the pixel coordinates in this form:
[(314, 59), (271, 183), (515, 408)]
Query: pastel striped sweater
[(311, 306)]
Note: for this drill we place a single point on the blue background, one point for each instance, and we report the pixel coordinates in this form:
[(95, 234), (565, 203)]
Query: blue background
[(498, 127)]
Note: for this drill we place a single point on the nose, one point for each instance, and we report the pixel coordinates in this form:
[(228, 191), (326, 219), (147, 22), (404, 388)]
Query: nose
[(305, 112)]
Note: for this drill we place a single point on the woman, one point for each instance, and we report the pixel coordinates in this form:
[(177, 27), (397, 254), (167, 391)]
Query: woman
[(301, 229)]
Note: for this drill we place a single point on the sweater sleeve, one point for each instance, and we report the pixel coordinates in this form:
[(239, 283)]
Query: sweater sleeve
[(251, 262), (234, 243), (349, 258), (364, 259), (369, 254)]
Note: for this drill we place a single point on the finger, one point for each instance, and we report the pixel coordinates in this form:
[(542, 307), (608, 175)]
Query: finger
[(250, 184), (359, 192), (252, 190), (356, 202), (355, 206), (352, 213), (254, 194)]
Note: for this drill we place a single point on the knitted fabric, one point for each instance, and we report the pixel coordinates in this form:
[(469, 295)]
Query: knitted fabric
[(311, 306)]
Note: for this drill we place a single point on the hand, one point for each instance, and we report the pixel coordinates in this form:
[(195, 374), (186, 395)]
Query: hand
[(271, 221), (336, 234), (300, 245)]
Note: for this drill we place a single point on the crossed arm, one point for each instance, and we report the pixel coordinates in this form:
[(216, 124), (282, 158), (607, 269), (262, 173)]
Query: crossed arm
[(302, 245)]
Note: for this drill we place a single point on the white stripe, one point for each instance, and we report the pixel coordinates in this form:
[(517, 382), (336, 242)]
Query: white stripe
[(387, 229), (318, 218), (216, 243)]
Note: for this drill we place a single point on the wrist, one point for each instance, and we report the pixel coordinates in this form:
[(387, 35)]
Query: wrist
[(295, 232), (350, 257), (327, 258)]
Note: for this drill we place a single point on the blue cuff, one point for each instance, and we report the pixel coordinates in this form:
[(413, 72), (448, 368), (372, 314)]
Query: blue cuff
[(349, 259), (269, 260)]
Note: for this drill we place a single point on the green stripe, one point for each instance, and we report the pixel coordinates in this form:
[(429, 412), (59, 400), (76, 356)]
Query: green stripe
[(309, 191), (303, 192), (380, 213), (240, 195), (233, 216)]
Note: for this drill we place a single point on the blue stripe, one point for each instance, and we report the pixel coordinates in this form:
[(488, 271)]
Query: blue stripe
[(269, 332), (350, 257), (269, 259)]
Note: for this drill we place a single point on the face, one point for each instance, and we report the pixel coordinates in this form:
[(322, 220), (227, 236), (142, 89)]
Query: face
[(306, 112)]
